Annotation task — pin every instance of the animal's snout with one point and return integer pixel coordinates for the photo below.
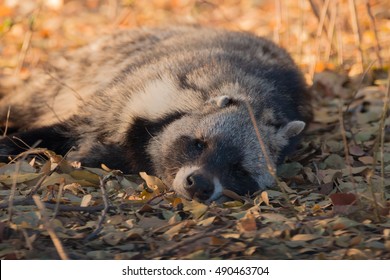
(199, 186)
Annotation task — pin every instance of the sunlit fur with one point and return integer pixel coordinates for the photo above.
(164, 100)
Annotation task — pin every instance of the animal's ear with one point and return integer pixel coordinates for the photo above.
(292, 129)
(221, 101)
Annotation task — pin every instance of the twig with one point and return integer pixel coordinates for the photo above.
(63, 208)
(30, 150)
(332, 25)
(382, 126)
(7, 121)
(271, 168)
(371, 189)
(13, 187)
(359, 85)
(75, 92)
(13, 191)
(27, 40)
(169, 249)
(318, 37)
(346, 149)
(317, 171)
(339, 37)
(379, 147)
(37, 185)
(23, 52)
(316, 13)
(155, 197)
(374, 29)
(26, 237)
(43, 178)
(56, 241)
(59, 195)
(99, 227)
(356, 32)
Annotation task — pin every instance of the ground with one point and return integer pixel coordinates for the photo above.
(332, 197)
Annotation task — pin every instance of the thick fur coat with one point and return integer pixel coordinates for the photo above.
(172, 102)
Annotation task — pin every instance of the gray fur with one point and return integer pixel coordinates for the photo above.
(184, 82)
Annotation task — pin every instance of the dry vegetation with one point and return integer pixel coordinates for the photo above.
(332, 200)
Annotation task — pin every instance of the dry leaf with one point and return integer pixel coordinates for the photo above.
(247, 223)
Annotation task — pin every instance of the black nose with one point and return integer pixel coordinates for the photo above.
(199, 186)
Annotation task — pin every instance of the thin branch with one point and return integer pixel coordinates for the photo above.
(27, 40)
(56, 241)
(184, 243)
(43, 178)
(99, 227)
(346, 149)
(374, 29)
(26, 237)
(13, 191)
(316, 13)
(14, 183)
(7, 122)
(318, 37)
(339, 37)
(356, 32)
(63, 208)
(23, 51)
(37, 185)
(382, 126)
(271, 168)
(75, 92)
(59, 195)
(332, 25)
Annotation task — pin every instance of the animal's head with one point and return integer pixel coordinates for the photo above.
(218, 148)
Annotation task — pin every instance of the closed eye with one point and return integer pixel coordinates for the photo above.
(239, 170)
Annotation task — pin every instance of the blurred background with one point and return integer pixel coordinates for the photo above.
(343, 35)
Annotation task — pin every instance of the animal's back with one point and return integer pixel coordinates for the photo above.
(74, 79)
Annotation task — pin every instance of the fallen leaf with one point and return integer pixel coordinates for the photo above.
(304, 237)
(289, 170)
(343, 198)
(367, 160)
(264, 196)
(154, 182)
(196, 208)
(356, 150)
(247, 223)
(334, 161)
(207, 222)
(86, 200)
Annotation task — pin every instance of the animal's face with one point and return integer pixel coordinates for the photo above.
(203, 154)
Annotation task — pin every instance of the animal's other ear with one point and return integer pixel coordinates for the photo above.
(221, 101)
(292, 129)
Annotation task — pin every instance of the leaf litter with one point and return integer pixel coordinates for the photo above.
(327, 205)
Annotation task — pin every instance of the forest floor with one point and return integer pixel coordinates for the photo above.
(332, 200)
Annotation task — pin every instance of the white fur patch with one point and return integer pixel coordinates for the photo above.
(218, 188)
(158, 99)
(179, 184)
